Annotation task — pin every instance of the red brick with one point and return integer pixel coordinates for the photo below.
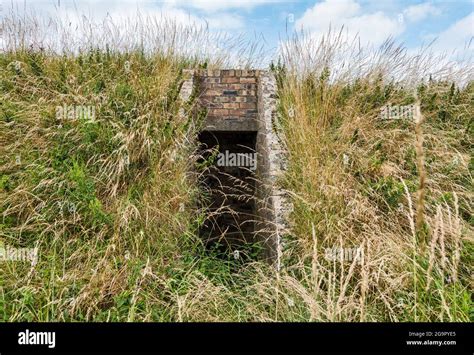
(231, 105)
(222, 99)
(230, 80)
(210, 72)
(245, 92)
(212, 80)
(239, 112)
(233, 86)
(249, 72)
(220, 86)
(210, 92)
(248, 80)
(218, 112)
(248, 105)
(229, 72)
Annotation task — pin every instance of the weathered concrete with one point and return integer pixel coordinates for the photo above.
(273, 207)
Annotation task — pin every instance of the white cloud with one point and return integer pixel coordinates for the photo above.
(98, 10)
(225, 21)
(328, 11)
(457, 39)
(372, 28)
(219, 5)
(421, 11)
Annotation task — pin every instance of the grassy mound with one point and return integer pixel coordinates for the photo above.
(96, 172)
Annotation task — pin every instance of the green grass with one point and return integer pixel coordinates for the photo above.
(103, 200)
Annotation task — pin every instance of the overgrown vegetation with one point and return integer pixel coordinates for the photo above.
(109, 199)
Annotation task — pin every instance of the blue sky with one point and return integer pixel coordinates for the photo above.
(414, 23)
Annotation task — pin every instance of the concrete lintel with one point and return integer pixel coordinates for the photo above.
(230, 124)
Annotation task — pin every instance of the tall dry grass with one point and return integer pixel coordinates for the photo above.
(110, 203)
(359, 181)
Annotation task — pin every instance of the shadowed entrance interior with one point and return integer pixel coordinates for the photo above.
(229, 184)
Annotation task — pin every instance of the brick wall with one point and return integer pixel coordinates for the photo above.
(229, 95)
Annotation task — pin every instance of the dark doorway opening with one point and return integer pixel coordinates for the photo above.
(228, 180)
